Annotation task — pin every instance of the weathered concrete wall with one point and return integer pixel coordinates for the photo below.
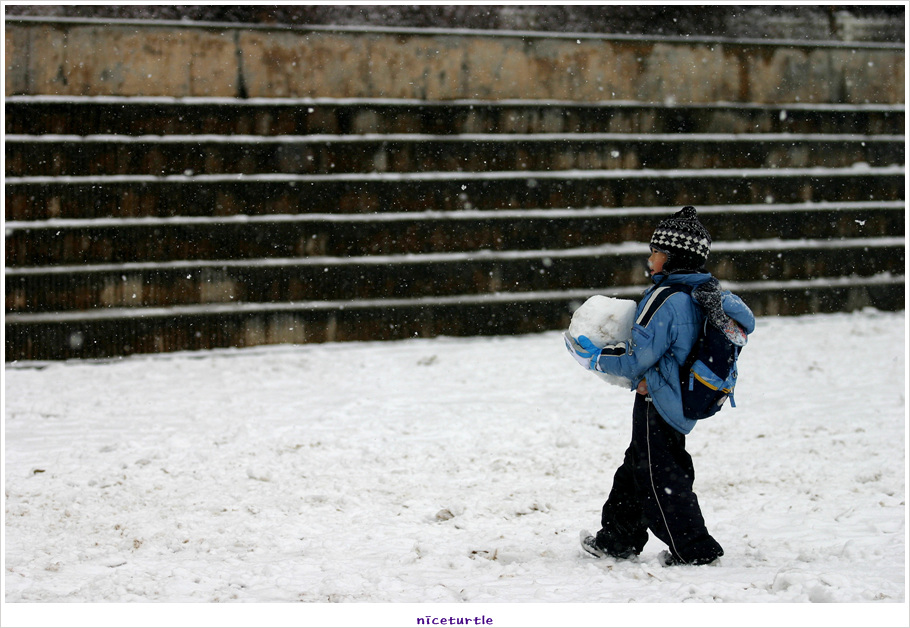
(72, 57)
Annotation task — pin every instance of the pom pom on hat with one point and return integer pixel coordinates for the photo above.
(684, 239)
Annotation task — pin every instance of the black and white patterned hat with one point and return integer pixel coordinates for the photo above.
(684, 239)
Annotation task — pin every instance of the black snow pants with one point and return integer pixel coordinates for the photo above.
(652, 490)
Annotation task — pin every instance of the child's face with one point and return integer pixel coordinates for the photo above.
(656, 261)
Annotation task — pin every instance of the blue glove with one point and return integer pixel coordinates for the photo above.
(583, 350)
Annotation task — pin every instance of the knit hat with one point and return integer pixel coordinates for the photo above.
(684, 239)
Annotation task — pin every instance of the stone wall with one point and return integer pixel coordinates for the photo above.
(81, 57)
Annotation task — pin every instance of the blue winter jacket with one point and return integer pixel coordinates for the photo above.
(662, 337)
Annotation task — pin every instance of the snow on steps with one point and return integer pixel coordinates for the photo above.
(822, 238)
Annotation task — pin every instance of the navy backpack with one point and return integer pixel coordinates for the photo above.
(708, 376)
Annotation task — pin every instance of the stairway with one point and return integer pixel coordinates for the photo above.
(149, 224)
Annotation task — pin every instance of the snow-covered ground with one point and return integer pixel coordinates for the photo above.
(447, 478)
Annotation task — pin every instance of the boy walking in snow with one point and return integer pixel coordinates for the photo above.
(652, 489)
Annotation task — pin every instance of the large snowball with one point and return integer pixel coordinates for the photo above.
(605, 321)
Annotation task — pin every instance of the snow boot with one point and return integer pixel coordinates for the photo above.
(589, 544)
(668, 559)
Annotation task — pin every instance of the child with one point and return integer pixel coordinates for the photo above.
(652, 489)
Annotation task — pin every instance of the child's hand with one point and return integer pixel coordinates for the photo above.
(583, 350)
(642, 387)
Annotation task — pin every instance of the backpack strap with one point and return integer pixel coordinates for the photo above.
(686, 366)
(656, 301)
